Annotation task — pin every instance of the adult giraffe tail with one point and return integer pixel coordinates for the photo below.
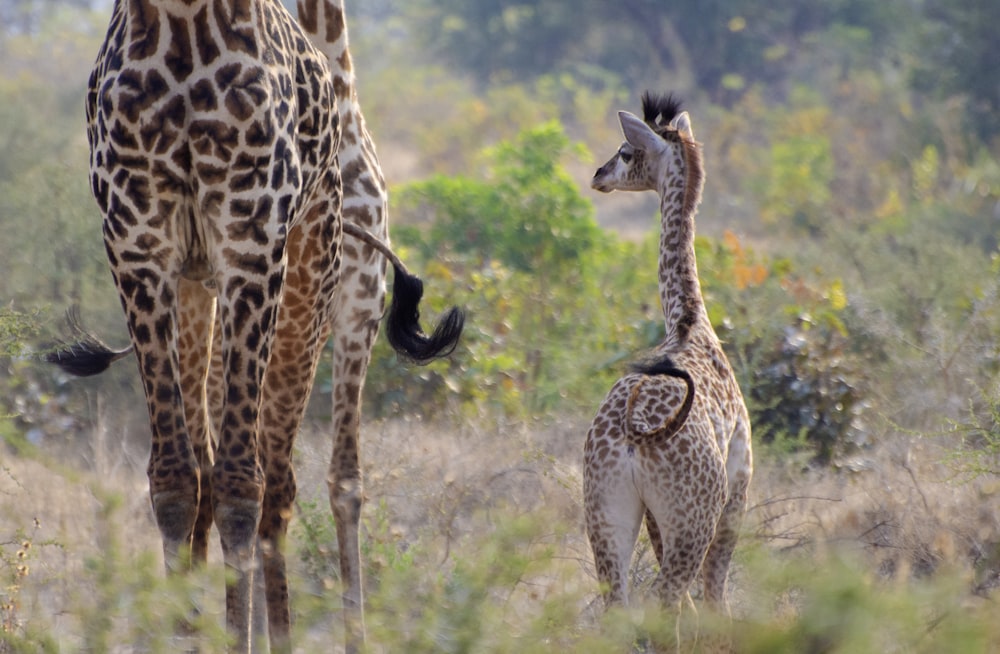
(87, 355)
(403, 325)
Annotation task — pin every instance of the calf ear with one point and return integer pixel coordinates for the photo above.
(638, 133)
(682, 123)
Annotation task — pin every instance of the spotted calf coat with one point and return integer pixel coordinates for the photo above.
(671, 441)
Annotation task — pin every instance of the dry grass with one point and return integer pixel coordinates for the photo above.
(900, 509)
(495, 512)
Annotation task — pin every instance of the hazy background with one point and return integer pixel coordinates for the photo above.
(848, 249)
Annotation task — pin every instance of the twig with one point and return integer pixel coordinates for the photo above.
(793, 498)
(916, 484)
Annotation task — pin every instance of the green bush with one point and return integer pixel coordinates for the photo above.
(551, 298)
(793, 343)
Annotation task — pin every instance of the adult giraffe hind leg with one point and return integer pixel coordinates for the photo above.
(150, 300)
(355, 327)
(303, 326)
(174, 469)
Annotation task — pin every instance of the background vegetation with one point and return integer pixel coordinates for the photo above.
(848, 248)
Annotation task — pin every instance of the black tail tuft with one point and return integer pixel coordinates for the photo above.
(658, 364)
(403, 326)
(662, 364)
(85, 357)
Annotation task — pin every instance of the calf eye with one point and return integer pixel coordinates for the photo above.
(626, 156)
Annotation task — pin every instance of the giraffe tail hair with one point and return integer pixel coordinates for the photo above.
(403, 329)
(403, 326)
(86, 355)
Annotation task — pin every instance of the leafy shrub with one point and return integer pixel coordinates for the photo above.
(32, 405)
(807, 392)
(830, 605)
(978, 452)
(802, 369)
(551, 298)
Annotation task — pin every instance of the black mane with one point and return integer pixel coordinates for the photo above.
(665, 107)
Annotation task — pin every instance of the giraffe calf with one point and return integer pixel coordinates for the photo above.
(670, 443)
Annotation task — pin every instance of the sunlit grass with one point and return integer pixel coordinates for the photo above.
(474, 543)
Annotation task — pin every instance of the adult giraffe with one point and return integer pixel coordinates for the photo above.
(216, 129)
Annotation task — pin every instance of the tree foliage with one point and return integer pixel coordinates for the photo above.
(720, 48)
(51, 224)
(959, 40)
(558, 305)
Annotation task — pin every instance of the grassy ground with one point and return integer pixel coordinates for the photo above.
(474, 543)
